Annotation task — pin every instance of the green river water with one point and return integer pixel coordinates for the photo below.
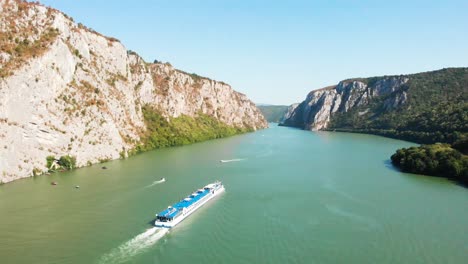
(293, 197)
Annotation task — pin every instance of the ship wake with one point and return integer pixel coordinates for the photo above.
(135, 246)
(231, 160)
(156, 182)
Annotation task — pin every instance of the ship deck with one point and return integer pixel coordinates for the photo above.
(176, 208)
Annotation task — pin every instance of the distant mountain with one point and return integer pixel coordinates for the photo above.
(425, 107)
(273, 113)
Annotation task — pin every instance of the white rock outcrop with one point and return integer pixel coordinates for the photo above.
(289, 112)
(67, 90)
(315, 111)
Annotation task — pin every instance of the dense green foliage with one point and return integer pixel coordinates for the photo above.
(436, 110)
(462, 146)
(273, 113)
(182, 130)
(436, 160)
(49, 161)
(65, 162)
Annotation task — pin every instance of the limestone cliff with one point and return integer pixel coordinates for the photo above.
(68, 90)
(424, 107)
(315, 112)
(289, 113)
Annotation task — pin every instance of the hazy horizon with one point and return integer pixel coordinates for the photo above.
(276, 53)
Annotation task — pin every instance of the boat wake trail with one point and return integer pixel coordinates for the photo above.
(156, 182)
(231, 160)
(135, 246)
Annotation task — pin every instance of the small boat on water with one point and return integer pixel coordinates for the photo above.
(162, 180)
(53, 183)
(77, 186)
(174, 214)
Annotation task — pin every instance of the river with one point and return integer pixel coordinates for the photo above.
(292, 196)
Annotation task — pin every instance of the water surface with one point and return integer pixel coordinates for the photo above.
(291, 196)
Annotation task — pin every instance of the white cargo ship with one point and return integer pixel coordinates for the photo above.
(174, 214)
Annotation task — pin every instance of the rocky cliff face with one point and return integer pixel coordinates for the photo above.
(316, 111)
(68, 90)
(288, 115)
(425, 107)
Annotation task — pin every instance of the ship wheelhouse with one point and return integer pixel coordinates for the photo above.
(164, 218)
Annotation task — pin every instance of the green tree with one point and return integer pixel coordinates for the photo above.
(67, 162)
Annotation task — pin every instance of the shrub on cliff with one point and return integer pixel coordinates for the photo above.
(67, 162)
(50, 160)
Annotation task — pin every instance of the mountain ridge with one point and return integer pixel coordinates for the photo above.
(399, 106)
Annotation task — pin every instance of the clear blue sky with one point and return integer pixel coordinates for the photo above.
(278, 51)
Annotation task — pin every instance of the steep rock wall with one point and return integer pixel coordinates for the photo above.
(68, 90)
(316, 111)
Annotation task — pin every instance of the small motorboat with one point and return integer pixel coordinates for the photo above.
(104, 168)
(162, 180)
(53, 183)
(77, 186)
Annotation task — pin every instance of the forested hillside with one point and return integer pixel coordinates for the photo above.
(273, 113)
(436, 109)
